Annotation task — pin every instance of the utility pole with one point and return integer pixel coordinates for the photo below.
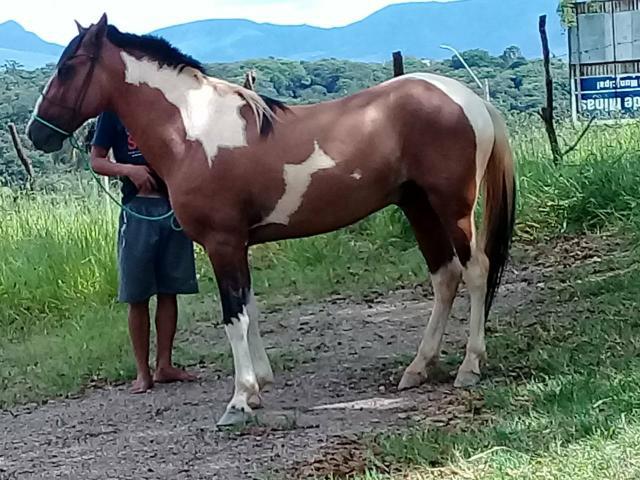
(485, 87)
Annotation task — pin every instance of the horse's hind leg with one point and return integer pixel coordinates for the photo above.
(456, 214)
(445, 277)
(475, 276)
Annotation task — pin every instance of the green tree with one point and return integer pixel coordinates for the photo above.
(516, 85)
(475, 58)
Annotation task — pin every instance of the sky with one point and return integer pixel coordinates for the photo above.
(53, 19)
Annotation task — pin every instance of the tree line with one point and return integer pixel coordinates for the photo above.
(516, 86)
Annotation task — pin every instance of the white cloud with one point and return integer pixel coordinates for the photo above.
(53, 19)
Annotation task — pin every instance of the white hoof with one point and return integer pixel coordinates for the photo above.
(411, 380)
(467, 379)
(236, 417)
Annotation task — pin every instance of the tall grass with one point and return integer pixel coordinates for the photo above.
(56, 254)
(595, 187)
(58, 277)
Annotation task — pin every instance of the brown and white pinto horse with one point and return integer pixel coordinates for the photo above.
(242, 169)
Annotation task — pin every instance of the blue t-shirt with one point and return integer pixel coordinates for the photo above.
(111, 134)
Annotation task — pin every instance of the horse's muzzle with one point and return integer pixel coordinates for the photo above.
(44, 138)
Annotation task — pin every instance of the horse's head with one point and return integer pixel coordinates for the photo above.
(77, 91)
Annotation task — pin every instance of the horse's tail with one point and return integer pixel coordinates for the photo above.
(499, 206)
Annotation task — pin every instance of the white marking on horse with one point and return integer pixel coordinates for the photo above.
(445, 285)
(476, 111)
(40, 99)
(475, 276)
(259, 358)
(297, 179)
(209, 116)
(357, 174)
(246, 384)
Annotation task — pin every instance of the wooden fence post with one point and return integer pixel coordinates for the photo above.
(250, 80)
(398, 64)
(17, 144)
(546, 112)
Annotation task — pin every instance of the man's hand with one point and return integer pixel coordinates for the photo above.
(142, 178)
(140, 175)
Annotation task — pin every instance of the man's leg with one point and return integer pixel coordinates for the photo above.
(175, 275)
(166, 321)
(139, 333)
(137, 244)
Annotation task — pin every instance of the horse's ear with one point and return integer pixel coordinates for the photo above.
(81, 29)
(98, 31)
(101, 26)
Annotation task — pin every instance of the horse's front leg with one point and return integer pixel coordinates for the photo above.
(228, 256)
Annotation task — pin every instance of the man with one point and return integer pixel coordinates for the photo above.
(153, 258)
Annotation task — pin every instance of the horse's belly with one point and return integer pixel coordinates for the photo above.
(329, 203)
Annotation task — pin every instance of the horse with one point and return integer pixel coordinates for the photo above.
(244, 169)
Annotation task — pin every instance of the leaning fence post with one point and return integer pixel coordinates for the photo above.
(398, 64)
(250, 79)
(17, 144)
(546, 112)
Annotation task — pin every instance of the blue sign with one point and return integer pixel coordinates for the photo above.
(610, 94)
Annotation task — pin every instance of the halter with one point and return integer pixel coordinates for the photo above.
(84, 90)
(76, 145)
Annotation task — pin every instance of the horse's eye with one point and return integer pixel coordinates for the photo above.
(65, 71)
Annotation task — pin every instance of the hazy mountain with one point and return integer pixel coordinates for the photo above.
(415, 28)
(25, 47)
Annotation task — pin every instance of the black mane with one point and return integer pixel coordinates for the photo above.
(267, 123)
(156, 48)
(160, 50)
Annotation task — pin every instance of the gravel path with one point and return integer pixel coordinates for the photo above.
(339, 353)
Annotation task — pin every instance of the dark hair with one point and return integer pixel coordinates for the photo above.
(71, 49)
(156, 48)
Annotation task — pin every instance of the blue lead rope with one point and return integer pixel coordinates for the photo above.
(74, 143)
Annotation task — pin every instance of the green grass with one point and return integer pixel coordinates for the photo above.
(60, 327)
(575, 411)
(595, 188)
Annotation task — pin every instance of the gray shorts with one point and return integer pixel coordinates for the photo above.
(153, 258)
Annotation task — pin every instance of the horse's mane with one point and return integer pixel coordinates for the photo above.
(161, 51)
(71, 49)
(154, 47)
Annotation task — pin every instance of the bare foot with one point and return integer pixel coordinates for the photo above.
(173, 374)
(141, 385)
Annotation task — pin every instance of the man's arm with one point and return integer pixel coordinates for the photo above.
(140, 175)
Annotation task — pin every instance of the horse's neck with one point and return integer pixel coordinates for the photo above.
(143, 116)
(170, 107)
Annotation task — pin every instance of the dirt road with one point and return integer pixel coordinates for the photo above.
(342, 362)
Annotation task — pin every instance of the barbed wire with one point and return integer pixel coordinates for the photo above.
(603, 47)
(609, 45)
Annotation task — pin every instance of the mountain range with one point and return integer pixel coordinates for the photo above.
(417, 29)
(25, 47)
